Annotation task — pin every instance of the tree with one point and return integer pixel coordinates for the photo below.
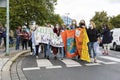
(22, 12)
(100, 18)
(2, 16)
(55, 19)
(115, 21)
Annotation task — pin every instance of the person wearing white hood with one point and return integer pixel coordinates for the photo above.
(35, 41)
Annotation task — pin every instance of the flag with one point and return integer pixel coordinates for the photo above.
(79, 40)
(3, 3)
(69, 43)
(82, 40)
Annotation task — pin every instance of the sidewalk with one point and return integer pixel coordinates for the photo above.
(7, 60)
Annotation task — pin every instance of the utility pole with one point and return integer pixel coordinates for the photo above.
(5, 3)
(7, 27)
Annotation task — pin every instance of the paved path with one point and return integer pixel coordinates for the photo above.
(4, 59)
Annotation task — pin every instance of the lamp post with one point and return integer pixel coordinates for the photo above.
(5, 3)
(7, 27)
(67, 18)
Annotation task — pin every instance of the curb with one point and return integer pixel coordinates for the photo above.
(6, 68)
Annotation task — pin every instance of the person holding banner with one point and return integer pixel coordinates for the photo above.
(93, 37)
(35, 40)
(56, 30)
(47, 47)
(74, 25)
(82, 40)
(62, 48)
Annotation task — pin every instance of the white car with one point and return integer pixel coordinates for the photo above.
(116, 39)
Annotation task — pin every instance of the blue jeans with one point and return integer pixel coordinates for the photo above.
(0, 39)
(92, 49)
(96, 48)
(61, 49)
(17, 43)
(46, 50)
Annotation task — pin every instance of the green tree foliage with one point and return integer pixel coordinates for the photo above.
(100, 18)
(22, 12)
(115, 21)
(2, 15)
(55, 19)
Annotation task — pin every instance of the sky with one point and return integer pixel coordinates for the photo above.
(85, 9)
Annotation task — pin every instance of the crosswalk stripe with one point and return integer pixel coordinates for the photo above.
(92, 64)
(53, 67)
(44, 63)
(70, 63)
(73, 65)
(33, 68)
(110, 58)
(99, 61)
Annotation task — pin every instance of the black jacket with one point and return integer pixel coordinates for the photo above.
(92, 34)
(107, 37)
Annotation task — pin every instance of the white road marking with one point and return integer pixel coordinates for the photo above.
(110, 58)
(33, 68)
(71, 63)
(53, 67)
(92, 64)
(44, 63)
(99, 61)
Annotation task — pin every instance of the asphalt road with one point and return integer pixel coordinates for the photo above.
(107, 68)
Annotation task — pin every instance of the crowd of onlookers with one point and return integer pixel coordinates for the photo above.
(25, 36)
(3, 36)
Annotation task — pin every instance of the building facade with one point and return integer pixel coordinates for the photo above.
(67, 20)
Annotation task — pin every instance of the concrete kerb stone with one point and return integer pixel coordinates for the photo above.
(6, 67)
(8, 64)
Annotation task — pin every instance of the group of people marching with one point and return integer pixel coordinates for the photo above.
(27, 36)
(93, 34)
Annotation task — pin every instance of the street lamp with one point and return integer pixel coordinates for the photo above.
(5, 3)
(67, 18)
(7, 32)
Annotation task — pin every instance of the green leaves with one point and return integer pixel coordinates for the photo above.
(101, 18)
(115, 21)
(25, 11)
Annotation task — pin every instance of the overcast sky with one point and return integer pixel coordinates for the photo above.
(85, 9)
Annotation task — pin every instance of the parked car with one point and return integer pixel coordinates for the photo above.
(115, 45)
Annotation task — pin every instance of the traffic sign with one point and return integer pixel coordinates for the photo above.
(3, 3)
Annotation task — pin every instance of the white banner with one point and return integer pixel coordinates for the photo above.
(47, 36)
(56, 41)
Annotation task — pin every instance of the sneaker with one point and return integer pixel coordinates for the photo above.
(95, 60)
(61, 58)
(55, 58)
(36, 57)
(44, 56)
(107, 54)
(103, 53)
(31, 53)
(47, 57)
